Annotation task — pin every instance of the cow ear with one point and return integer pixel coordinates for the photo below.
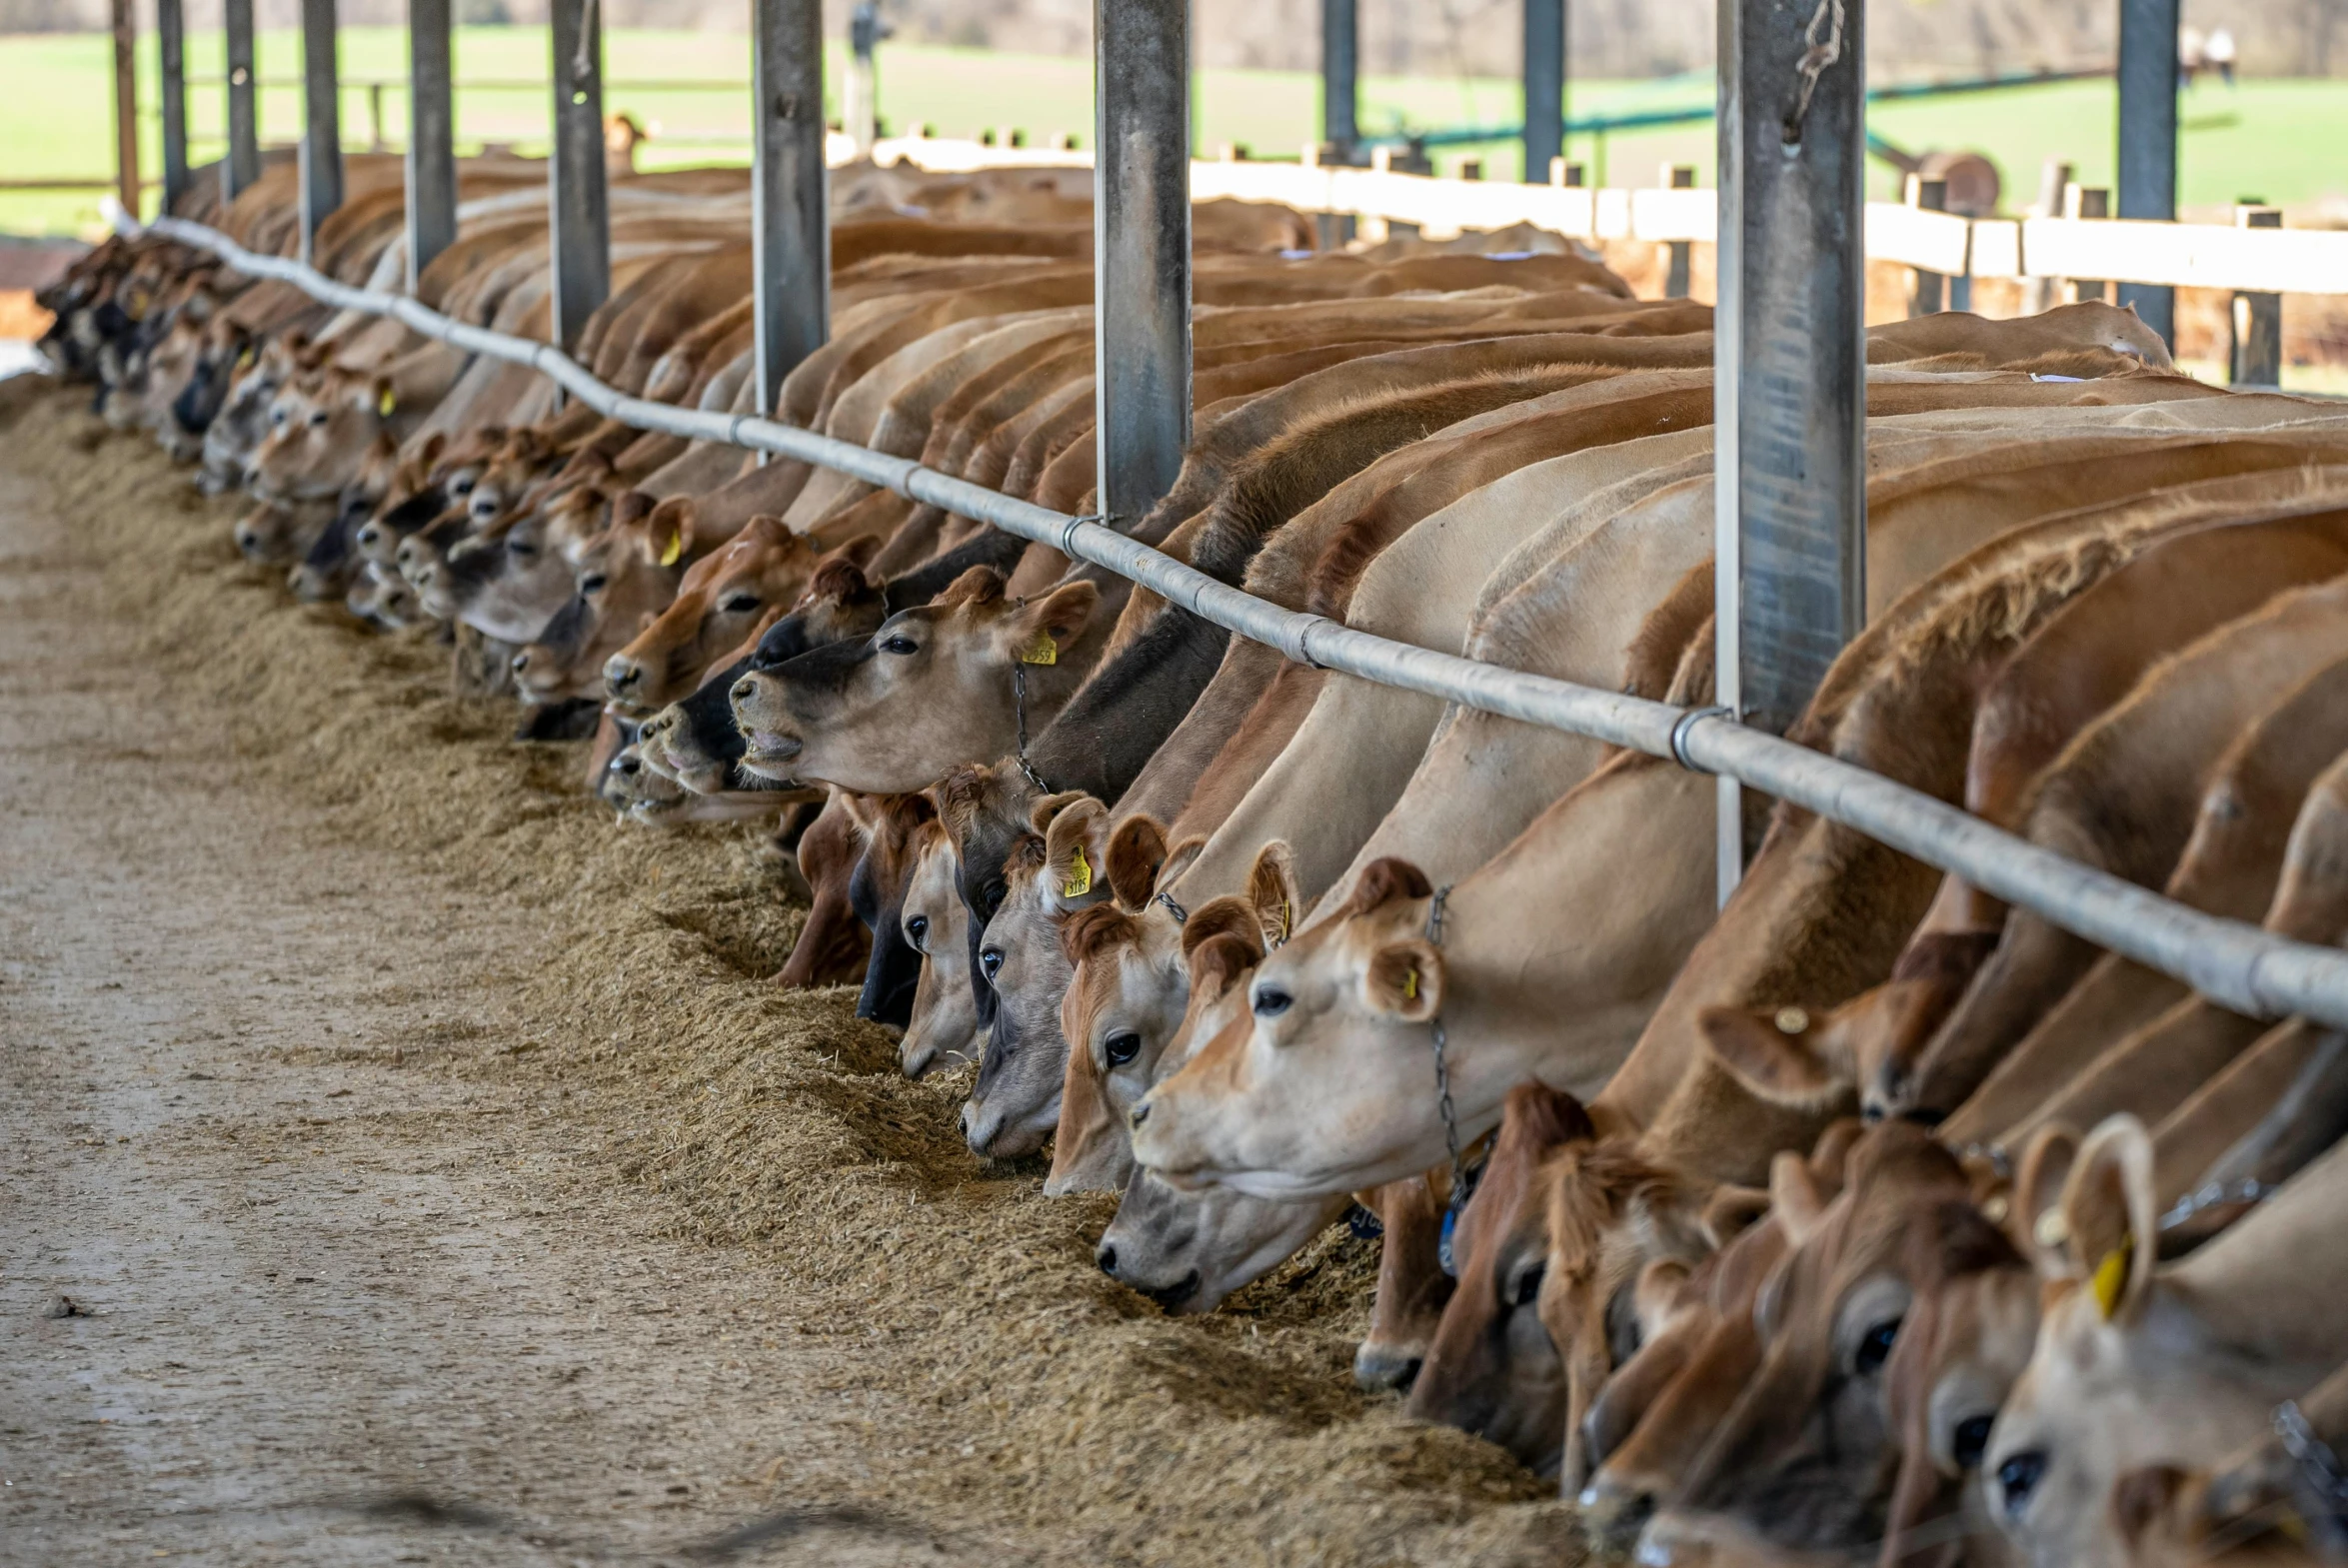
(1216, 964)
(1272, 891)
(667, 533)
(1038, 633)
(434, 445)
(1137, 849)
(2109, 1208)
(1730, 1212)
(1075, 851)
(2034, 1218)
(1405, 981)
(1775, 1055)
(1795, 1198)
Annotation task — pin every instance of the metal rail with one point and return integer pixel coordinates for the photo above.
(2238, 967)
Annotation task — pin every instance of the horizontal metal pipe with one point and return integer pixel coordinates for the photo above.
(2238, 967)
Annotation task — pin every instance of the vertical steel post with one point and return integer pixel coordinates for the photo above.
(2149, 139)
(578, 202)
(1926, 299)
(432, 136)
(126, 108)
(1789, 459)
(322, 120)
(1340, 79)
(792, 245)
(1140, 249)
(1544, 87)
(242, 166)
(172, 59)
(2257, 318)
(1679, 257)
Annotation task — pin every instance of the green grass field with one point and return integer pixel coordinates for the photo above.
(2277, 139)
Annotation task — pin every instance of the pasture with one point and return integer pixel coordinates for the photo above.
(2271, 139)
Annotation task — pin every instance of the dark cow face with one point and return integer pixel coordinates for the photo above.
(932, 689)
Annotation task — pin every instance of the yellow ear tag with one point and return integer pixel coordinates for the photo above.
(245, 356)
(1411, 985)
(385, 401)
(676, 551)
(1043, 650)
(2111, 1276)
(1284, 936)
(1080, 877)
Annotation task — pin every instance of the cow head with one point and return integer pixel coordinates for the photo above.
(759, 573)
(1323, 1086)
(320, 428)
(934, 924)
(622, 580)
(1494, 1369)
(1049, 875)
(933, 688)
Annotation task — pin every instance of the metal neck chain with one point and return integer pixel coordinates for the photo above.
(2248, 1190)
(1443, 1100)
(2318, 1466)
(1181, 914)
(1018, 702)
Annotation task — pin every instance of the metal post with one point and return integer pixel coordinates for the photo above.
(1340, 78)
(171, 59)
(579, 204)
(865, 32)
(788, 224)
(1544, 86)
(1931, 196)
(2149, 139)
(432, 137)
(126, 108)
(1790, 449)
(242, 167)
(322, 120)
(2086, 201)
(1140, 249)
(1676, 176)
(2258, 318)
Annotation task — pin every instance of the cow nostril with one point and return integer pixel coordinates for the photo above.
(521, 661)
(741, 690)
(1141, 1113)
(1106, 1259)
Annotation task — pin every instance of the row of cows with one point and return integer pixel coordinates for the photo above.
(1864, 1219)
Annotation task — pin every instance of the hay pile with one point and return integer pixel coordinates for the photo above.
(1050, 1399)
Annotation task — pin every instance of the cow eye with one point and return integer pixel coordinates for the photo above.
(317, 417)
(2018, 1478)
(1271, 1002)
(593, 582)
(737, 603)
(917, 929)
(1121, 1048)
(463, 487)
(1528, 1284)
(901, 646)
(1972, 1442)
(277, 416)
(1875, 1349)
(990, 963)
(520, 547)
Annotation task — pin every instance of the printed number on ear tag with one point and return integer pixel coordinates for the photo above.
(1043, 650)
(2111, 1276)
(385, 401)
(1080, 877)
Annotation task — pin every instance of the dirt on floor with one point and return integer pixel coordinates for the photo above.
(400, 1163)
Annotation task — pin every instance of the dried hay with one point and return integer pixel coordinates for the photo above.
(1052, 1400)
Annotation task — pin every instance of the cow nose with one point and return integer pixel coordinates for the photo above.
(1140, 1114)
(744, 689)
(370, 535)
(1106, 1256)
(521, 661)
(622, 673)
(630, 765)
